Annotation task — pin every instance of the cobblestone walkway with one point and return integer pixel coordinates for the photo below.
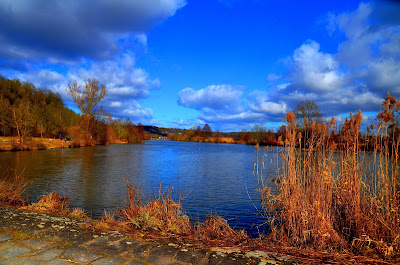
(36, 238)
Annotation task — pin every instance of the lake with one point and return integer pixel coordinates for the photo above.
(212, 178)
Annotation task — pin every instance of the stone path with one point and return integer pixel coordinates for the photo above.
(36, 238)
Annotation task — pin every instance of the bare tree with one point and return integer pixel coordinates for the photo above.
(259, 133)
(87, 99)
(307, 109)
(207, 130)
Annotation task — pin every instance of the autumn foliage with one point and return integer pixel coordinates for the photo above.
(27, 112)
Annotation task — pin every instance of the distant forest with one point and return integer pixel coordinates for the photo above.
(26, 111)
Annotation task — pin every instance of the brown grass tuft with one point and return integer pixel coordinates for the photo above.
(165, 216)
(11, 191)
(108, 222)
(51, 203)
(217, 229)
(78, 213)
(160, 214)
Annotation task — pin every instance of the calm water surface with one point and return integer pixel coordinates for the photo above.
(214, 178)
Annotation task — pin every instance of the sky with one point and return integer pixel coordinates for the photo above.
(230, 63)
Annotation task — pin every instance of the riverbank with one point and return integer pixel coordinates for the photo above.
(38, 238)
(155, 236)
(33, 143)
(8, 143)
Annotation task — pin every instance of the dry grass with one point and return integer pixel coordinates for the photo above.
(160, 214)
(224, 140)
(32, 143)
(51, 203)
(11, 190)
(160, 217)
(108, 222)
(330, 198)
(216, 230)
(164, 216)
(78, 213)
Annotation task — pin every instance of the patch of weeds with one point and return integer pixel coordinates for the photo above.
(51, 203)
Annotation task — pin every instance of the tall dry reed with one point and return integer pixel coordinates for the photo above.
(329, 196)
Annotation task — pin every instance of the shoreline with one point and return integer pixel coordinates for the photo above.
(42, 237)
(10, 144)
(31, 231)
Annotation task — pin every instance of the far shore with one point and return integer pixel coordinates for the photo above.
(12, 143)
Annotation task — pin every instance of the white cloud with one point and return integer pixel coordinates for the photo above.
(124, 81)
(282, 86)
(336, 85)
(240, 118)
(137, 112)
(125, 84)
(273, 77)
(270, 107)
(75, 28)
(313, 70)
(213, 97)
(142, 39)
(114, 104)
(261, 103)
(358, 76)
(80, 39)
(354, 24)
(184, 123)
(384, 75)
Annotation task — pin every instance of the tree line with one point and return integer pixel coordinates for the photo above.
(26, 111)
(307, 115)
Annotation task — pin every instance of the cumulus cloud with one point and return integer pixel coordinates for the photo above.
(226, 107)
(213, 97)
(314, 70)
(136, 111)
(121, 77)
(365, 67)
(244, 117)
(261, 103)
(363, 38)
(125, 83)
(356, 77)
(184, 123)
(34, 29)
(372, 50)
(53, 43)
(130, 109)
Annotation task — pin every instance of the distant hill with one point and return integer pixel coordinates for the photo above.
(165, 131)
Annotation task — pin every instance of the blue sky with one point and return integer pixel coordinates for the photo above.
(229, 63)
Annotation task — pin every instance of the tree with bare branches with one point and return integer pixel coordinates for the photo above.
(307, 109)
(87, 98)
